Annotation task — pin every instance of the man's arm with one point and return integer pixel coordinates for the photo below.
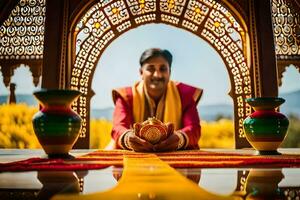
(122, 120)
(122, 131)
(191, 129)
(188, 136)
(191, 126)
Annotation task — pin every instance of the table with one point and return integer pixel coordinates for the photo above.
(237, 183)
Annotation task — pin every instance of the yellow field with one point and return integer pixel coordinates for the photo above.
(16, 130)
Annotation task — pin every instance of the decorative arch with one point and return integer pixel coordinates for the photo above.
(22, 38)
(286, 17)
(210, 20)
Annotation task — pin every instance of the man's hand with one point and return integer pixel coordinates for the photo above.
(169, 144)
(138, 144)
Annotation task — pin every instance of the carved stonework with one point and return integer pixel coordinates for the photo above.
(22, 39)
(22, 34)
(286, 21)
(36, 71)
(281, 68)
(7, 73)
(8, 67)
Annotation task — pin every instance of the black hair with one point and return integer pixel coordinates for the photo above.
(156, 52)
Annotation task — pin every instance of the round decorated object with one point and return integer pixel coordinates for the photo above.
(153, 130)
(56, 125)
(265, 129)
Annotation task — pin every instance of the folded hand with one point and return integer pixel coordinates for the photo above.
(138, 144)
(169, 144)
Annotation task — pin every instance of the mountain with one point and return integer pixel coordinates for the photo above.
(212, 112)
(21, 98)
(206, 112)
(105, 113)
(292, 103)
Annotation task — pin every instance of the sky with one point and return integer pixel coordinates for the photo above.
(195, 62)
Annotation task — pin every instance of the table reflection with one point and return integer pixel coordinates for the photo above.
(192, 174)
(242, 183)
(57, 182)
(263, 184)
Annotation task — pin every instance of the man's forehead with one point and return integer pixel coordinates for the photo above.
(156, 61)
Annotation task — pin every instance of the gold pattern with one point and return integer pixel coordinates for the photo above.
(217, 24)
(115, 11)
(197, 10)
(171, 4)
(139, 7)
(97, 25)
(152, 130)
(172, 7)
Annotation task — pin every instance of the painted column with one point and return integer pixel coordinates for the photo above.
(54, 61)
(263, 49)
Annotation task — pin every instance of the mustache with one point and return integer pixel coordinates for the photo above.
(158, 79)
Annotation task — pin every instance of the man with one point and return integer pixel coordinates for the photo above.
(156, 96)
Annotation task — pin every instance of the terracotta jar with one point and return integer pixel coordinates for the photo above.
(56, 125)
(265, 128)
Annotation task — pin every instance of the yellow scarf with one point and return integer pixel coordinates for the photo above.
(172, 112)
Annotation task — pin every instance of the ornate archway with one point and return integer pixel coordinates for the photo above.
(214, 22)
(286, 17)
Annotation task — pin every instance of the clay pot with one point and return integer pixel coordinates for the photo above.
(265, 129)
(56, 125)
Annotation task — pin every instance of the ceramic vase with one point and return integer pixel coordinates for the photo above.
(265, 128)
(56, 125)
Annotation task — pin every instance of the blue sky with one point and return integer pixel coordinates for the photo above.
(195, 62)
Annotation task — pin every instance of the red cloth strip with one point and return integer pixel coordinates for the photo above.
(180, 159)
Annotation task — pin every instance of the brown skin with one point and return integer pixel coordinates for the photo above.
(138, 144)
(156, 74)
(169, 144)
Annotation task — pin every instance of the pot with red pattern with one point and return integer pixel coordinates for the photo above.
(153, 130)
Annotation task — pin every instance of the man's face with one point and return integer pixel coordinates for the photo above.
(156, 75)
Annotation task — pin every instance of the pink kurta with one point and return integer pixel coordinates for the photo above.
(123, 114)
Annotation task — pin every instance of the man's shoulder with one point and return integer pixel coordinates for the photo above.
(122, 89)
(186, 88)
(122, 92)
(189, 91)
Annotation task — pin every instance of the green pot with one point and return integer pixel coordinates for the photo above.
(56, 125)
(265, 128)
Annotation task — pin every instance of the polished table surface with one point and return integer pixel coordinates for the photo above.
(276, 183)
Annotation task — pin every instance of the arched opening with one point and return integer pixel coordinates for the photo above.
(195, 63)
(211, 21)
(291, 108)
(17, 106)
(24, 86)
